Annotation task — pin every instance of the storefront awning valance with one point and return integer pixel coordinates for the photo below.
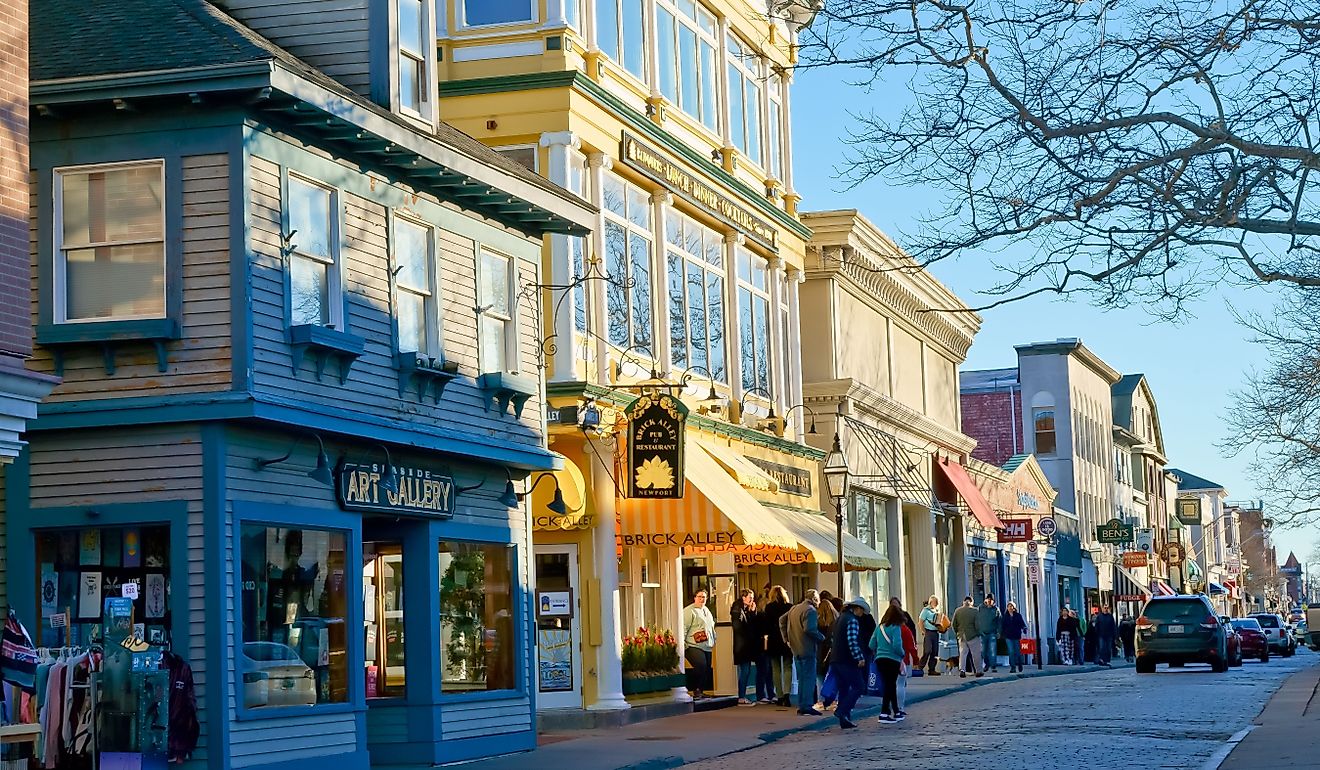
(739, 467)
(1127, 584)
(817, 534)
(981, 509)
(573, 487)
(1214, 589)
(714, 511)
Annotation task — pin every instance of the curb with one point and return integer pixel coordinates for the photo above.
(1217, 759)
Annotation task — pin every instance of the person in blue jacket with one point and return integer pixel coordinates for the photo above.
(887, 642)
(1013, 626)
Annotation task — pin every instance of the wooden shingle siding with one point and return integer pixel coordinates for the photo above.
(331, 35)
(372, 389)
(125, 465)
(200, 361)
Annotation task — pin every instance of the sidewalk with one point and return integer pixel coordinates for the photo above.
(675, 741)
(1283, 735)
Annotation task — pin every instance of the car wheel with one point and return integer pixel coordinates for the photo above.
(1265, 658)
(1219, 665)
(1145, 667)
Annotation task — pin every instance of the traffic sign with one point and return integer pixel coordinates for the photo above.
(1046, 526)
(1033, 547)
(1033, 574)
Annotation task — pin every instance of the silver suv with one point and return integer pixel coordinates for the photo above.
(1276, 633)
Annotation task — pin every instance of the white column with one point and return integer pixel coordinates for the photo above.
(795, 277)
(672, 590)
(731, 243)
(556, 15)
(778, 345)
(559, 169)
(893, 524)
(598, 163)
(652, 50)
(609, 656)
(722, 81)
(787, 129)
(661, 200)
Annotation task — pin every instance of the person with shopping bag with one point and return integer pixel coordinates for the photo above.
(911, 660)
(1013, 627)
(933, 623)
(887, 643)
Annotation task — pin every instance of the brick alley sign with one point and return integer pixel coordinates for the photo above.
(656, 425)
(1015, 531)
(1114, 531)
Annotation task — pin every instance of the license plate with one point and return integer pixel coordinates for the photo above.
(1174, 629)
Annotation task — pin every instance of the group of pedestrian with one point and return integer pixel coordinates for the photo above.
(978, 630)
(1093, 640)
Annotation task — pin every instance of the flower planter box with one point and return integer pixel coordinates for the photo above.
(655, 683)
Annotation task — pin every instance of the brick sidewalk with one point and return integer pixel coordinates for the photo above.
(1283, 735)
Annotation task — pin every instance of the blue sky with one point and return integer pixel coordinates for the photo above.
(1193, 367)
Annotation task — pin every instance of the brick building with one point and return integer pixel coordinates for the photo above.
(991, 413)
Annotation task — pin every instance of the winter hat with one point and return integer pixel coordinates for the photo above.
(859, 602)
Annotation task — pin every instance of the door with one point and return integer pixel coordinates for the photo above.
(558, 628)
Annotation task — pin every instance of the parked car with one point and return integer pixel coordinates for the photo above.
(1251, 638)
(1231, 642)
(1276, 631)
(1181, 629)
(274, 675)
(1313, 628)
(1299, 632)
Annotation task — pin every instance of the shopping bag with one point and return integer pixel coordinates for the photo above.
(917, 671)
(829, 690)
(873, 686)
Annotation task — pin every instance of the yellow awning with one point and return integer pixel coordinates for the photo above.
(714, 511)
(574, 489)
(739, 467)
(815, 536)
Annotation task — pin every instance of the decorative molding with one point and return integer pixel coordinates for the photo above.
(859, 398)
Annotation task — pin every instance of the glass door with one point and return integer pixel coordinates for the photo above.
(382, 597)
(558, 629)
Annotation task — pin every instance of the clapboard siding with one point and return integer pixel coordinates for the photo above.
(127, 465)
(200, 361)
(374, 379)
(483, 718)
(331, 35)
(4, 543)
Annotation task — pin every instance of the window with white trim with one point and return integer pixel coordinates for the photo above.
(745, 99)
(573, 13)
(621, 33)
(754, 321)
(577, 244)
(522, 154)
(627, 259)
(110, 242)
(414, 61)
(497, 352)
(688, 38)
(695, 270)
(477, 13)
(414, 260)
(313, 235)
(774, 148)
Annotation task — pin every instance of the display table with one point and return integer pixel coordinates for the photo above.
(20, 734)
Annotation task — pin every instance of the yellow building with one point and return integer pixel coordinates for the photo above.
(672, 116)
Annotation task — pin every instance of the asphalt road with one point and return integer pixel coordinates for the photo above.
(1174, 718)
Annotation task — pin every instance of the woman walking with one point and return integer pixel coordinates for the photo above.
(889, 654)
(930, 627)
(1013, 627)
(826, 617)
(776, 648)
(699, 640)
(747, 642)
(910, 657)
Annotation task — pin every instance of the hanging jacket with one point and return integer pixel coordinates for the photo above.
(183, 723)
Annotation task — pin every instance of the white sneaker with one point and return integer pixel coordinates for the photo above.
(885, 719)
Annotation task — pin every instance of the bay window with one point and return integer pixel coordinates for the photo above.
(627, 261)
(110, 242)
(414, 297)
(620, 33)
(313, 229)
(496, 313)
(483, 12)
(753, 321)
(695, 270)
(688, 40)
(744, 99)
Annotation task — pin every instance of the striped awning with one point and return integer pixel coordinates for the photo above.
(737, 466)
(1127, 584)
(714, 511)
(1161, 588)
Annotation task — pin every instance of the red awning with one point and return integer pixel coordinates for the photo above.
(970, 494)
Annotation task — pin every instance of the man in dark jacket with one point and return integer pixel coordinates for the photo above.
(1012, 627)
(849, 659)
(1127, 633)
(1105, 631)
(799, 628)
(987, 625)
(969, 639)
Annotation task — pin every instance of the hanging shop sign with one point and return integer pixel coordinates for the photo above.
(660, 169)
(1129, 597)
(1173, 553)
(1015, 531)
(1188, 510)
(1114, 531)
(1146, 539)
(421, 491)
(792, 481)
(1133, 559)
(655, 447)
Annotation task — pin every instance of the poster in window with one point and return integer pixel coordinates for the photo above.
(154, 547)
(155, 595)
(68, 550)
(50, 590)
(89, 548)
(89, 596)
(112, 547)
(132, 548)
(554, 652)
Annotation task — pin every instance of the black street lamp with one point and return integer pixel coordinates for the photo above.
(836, 481)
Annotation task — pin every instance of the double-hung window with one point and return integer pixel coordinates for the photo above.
(688, 38)
(695, 270)
(313, 235)
(620, 33)
(774, 150)
(482, 12)
(110, 242)
(754, 321)
(627, 263)
(414, 81)
(415, 289)
(497, 353)
(745, 99)
(577, 244)
(1043, 425)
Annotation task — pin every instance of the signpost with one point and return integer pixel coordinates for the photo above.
(1033, 577)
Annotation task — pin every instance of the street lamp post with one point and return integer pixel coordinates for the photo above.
(836, 479)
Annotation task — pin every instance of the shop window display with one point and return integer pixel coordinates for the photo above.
(295, 610)
(478, 630)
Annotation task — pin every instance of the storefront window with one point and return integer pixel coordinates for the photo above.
(695, 269)
(688, 37)
(81, 568)
(745, 99)
(295, 617)
(627, 261)
(478, 630)
(753, 321)
(382, 603)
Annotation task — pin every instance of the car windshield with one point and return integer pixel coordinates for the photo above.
(1267, 621)
(1190, 611)
(268, 652)
(1249, 623)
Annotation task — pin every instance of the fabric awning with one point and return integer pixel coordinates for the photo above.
(1161, 588)
(981, 509)
(817, 532)
(1127, 584)
(574, 489)
(739, 467)
(1214, 589)
(714, 511)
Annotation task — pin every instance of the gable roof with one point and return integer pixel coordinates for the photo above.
(76, 43)
(1292, 560)
(1188, 481)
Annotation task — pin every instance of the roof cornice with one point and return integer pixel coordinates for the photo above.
(870, 401)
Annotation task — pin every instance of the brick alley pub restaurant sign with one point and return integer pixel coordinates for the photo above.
(656, 423)
(667, 173)
(422, 491)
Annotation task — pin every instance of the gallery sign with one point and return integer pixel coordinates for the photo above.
(656, 423)
(660, 169)
(421, 491)
(792, 481)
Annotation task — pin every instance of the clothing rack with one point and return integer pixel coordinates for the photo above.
(91, 687)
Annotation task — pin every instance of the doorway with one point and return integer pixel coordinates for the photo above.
(558, 628)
